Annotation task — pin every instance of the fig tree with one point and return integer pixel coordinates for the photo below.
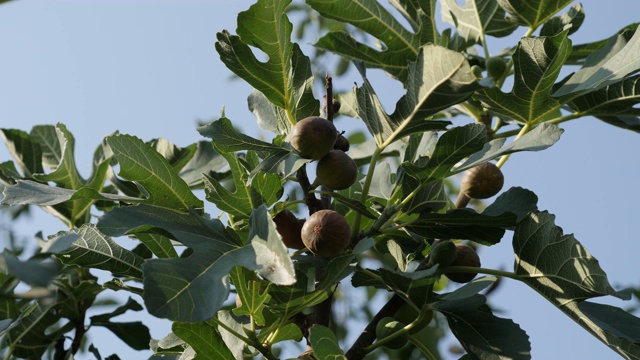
(388, 326)
(313, 137)
(326, 233)
(289, 228)
(465, 256)
(336, 170)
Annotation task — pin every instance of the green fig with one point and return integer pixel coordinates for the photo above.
(388, 326)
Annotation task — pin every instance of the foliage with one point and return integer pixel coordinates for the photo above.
(186, 263)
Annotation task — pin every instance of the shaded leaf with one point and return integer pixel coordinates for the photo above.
(194, 288)
(482, 334)
(159, 245)
(324, 343)
(204, 339)
(135, 333)
(470, 289)
(204, 161)
(224, 136)
(36, 272)
(25, 151)
(557, 24)
(30, 338)
(252, 294)
(537, 63)
(516, 200)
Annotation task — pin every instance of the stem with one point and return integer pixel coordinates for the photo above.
(387, 339)
(355, 228)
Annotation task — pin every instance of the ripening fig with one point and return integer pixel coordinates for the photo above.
(313, 137)
(289, 227)
(482, 181)
(336, 170)
(442, 253)
(326, 233)
(465, 256)
(388, 326)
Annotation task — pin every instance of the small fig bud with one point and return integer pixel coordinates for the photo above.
(482, 181)
(289, 227)
(496, 66)
(326, 233)
(442, 253)
(313, 137)
(477, 71)
(336, 170)
(342, 143)
(465, 256)
(388, 326)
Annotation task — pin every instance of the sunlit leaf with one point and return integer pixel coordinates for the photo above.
(33, 193)
(477, 18)
(324, 343)
(533, 13)
(204, 339)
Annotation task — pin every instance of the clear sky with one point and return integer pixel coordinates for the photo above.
(149, 68)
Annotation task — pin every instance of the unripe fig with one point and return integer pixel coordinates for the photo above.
(289, 227)
(482, 181)
(465, 256)
(496, 66)
(326, 233)
(336, 170)
(313, 137)
(342, 143)
(388, 326)
(408, 314)
(442, 253)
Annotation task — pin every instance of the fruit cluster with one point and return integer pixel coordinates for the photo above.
(326, 232)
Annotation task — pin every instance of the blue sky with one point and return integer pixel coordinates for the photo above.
(149, 68)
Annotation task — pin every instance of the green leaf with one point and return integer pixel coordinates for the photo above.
(539, 245)
(465, 224)
(616, 328)
(532, 13)
(582, 51)
(65, 174)
(204, 161)
(8, 324)
(537, 63)
(286, 332)
(269, 116)
(482, 334)
(235, 323)
(8, 173)
(135, 334)
(453, 146)
(324, 343)
(470, 289)
(159, 245)
(30, 338)
(285, 78)
(541, 137)
(141, 163)
(605, 67)
(252, 293)
(194, 288)
(557, 24)
(204, 339)
(399, 45)
(96, 250)
(224, 136)
(516, 200)
(49, 138)
(27, 192)
(477, 18)
(352, 204)
(34, 272)
(25, 151)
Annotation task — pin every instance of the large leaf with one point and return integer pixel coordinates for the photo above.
(204, 339)
(141, 163)
(95, 250)
(606, 66)
(615, 104)
(324, 343)
(285, 78)
(482, 334)
(194, 288)
(516, 200)
(540, 138)
(453, 146)
(477, 18)
(400, 44)
(533, 13)
(537, 63)
(574, 18)
(559, 268)
(31, 338)
(24, 150)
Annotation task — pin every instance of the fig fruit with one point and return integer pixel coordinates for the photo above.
(388, 326)
(407, 314)
(465, 256)
(326, 233)
(313, 137)
(496, 66)
(442, 253)
(336, 170)
(482, 181)
(289, 228)
(342, 143)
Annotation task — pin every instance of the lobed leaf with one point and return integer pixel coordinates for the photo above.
(25, 151)
(532, 13)
(324, 343)
(537, 63)
(477, 18)
(204, 339)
